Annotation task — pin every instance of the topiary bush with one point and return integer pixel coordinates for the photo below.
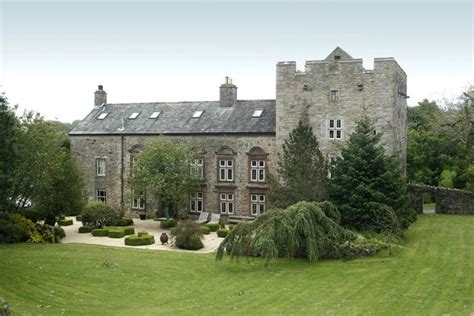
(100, 232)
(212, 227)
(188, 235)
(129, 230)
(205, 230)
(98, 215)
(59, 234)
(124, 222)
(168, 223)
(139, 240)
(65, 222)
(116, 233)
(222, 232)
(142, 233)
(79, 218)
(84, 229)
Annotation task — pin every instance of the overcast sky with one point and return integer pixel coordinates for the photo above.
(54, 54)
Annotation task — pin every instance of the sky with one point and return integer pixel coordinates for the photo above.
(54, 54)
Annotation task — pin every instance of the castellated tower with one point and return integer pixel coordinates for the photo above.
(332, 94)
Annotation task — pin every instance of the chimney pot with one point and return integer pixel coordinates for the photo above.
(100, 97)
(101, 87)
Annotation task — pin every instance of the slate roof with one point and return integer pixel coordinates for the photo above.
(176, 118)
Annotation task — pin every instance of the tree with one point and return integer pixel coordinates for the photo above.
(164, 171)
(46, 175)
(302, 169)
(366, 185)
(8, 153)
(305, 229)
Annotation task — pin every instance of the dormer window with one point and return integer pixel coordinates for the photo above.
(102, 116)
(155, 115)
(134, 115)
(257, 113)
(197, 114)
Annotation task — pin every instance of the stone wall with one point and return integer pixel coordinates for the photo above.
(448, 201)
(306, 96)
(120, 148)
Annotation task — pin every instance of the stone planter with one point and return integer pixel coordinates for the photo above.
(164, 238)
(142, 216)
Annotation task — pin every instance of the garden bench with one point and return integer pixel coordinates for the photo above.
(235, 219)
(203, 218)
(215, 218)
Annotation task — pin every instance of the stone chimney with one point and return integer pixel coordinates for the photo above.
(100, 97)
(228, 95)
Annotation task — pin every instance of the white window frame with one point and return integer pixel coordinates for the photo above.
(257, 170)
(335, 128)
(139, 202)
(334, 95)
(101, 195)
(101, 166)
(196, 202)
(197, 166)
(226, 203)
(258, 204)
(226, 170)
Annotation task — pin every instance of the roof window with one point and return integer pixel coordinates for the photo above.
(198, 114)
(134, 115)
(257, 113)
(102, 115)
(155, 115)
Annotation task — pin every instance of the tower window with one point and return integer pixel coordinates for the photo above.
(335, 129)
(334, 95)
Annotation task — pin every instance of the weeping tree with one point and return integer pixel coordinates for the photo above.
(306, 229)
(302, 170)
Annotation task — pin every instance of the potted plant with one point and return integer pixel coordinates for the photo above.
(142, 215)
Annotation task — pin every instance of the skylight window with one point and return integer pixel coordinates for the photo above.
(257, 113)
(102, 116)
(134, 115)
(197, 114)
(155, 115)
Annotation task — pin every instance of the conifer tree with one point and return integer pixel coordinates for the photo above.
(367, 185)
(302, 170)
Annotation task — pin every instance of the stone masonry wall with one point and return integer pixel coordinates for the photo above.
(306, 95)
(87, 148)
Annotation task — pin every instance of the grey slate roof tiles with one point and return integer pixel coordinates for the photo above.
(176, 118)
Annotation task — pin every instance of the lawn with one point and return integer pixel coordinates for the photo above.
(433, 274)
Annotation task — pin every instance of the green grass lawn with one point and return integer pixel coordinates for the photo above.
(433, 274)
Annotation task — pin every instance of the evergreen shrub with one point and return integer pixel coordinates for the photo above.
(168, 223)
(205, 230)
(98, 215)
(100, 232)
(188, 235)
(222, 233)
(124, 222)
(139, 240)
(116, 233)
(212, 227)
(65, 222)
(84, 229)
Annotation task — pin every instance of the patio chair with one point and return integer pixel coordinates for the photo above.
(203, 218)
(215, 218)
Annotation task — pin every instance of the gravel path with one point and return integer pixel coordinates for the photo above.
(211, 241)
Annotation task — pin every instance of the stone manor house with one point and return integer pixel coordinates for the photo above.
(240, 139)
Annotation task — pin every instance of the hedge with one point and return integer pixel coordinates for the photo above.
(205, 230)
(127, 230)
(65, 222)
(142, 233)
(222, 233)
(139, 240)
(79, 218)
(116, 233)
(100, 232)
(213, 227)
(124, 222)
(84, 229)
(168, 223)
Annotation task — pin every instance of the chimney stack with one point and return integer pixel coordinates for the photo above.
(100, 97)
(228, 93)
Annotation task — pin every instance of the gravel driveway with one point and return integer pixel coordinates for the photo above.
(211, 241)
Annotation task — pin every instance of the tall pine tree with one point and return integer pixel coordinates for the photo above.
(368, 186)
(302, 170)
